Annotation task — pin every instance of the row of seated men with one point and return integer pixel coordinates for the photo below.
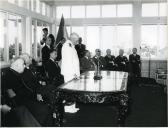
(110, 62)
(26, 101)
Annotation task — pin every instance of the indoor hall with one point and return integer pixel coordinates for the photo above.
(83, 63)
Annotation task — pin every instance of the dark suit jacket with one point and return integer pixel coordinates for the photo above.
(80, 48)
(102, 62)
(45, 54)
(110, 62)
(86, 64)
(26, 96)
(120, 65)
(135, 62)
(54, 72)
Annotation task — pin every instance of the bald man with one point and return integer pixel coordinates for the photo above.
(121, 61)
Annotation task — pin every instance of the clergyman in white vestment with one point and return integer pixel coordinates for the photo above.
(70, 65)
(70, 62)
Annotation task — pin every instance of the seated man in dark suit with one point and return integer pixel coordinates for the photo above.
(53, 69)
(121, 61)
(86, 63)
(110, 61)
(25, 95)
(135, 61)
(80, 48)
(98, 58)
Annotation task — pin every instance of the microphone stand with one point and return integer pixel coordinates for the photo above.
(97, 75)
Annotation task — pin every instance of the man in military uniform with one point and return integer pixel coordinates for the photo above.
(121, 61)
(98, 58)
(110, 61)
(135, 61)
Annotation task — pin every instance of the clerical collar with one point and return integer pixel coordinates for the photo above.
(134, 54)
(52, 59)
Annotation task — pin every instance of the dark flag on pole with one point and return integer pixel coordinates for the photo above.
(62, 35)
(62, 32)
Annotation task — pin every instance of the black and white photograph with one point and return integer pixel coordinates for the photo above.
(83, 63)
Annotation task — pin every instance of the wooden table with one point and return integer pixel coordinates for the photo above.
(111, 89)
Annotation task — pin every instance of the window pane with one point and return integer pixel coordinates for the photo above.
(162, 9)
(20, 34)
(12, 34)
(79, 31)
(124, 10)
(148, 40)
(108, 10)
(39, 37)
(162, 44)
(93, 11)
(38, 6)
(150, 9)
(43, 9)
(78, 11)
(65, 10)
(108, 39)
(124, 38)
(11, 1)
(93, 38)
(33, 41)
(2, 35)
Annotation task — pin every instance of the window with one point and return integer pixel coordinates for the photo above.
(39, 37)
(78, 11)
(63, 10)
(33, 39)
(108, 10)
(20, 34)
(12, 35)
(124, 10)
(93, 38)
(11, 1)
(21, 3)
(93, 11)
(153, 41)
(2, 35)
(38, 6)
(48, 10)
(154, 9)
(43, 9)
(162, 9)
(115, 38)
(108, 39)
(150, 10)
(124, 38)
(79, 31)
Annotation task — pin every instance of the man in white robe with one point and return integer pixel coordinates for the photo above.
(70, 62)
(70, 65)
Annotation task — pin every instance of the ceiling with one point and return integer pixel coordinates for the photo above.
(88, 2)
